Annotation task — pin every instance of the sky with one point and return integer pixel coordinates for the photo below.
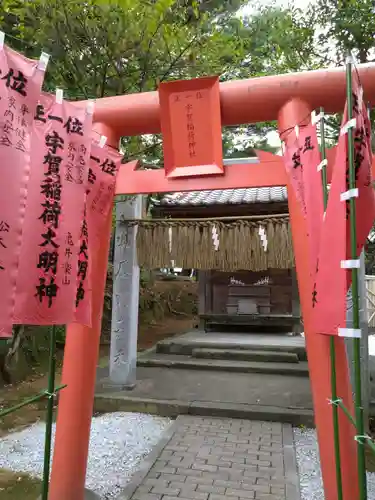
(248, 9)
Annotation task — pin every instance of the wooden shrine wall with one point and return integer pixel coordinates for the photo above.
(246, 292)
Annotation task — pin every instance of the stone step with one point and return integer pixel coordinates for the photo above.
(186, 362)
(184, 345)
(245, 355)
(173, 408)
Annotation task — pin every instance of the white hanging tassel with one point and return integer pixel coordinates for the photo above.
(360, 98)
(215, 238)
(59, 96)
(170, 244)
(263, 237)
(43, 61)
(102, 143)
(90, 106)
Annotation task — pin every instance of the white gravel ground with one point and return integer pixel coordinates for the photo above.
(118, 443)
(308, 463)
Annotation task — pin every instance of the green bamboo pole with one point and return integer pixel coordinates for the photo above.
(49, 417)
(347, 412)
(356, 319)
(29, 401)
(335, 410)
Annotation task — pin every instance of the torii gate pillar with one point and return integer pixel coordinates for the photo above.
(81, 355)
(318, 350)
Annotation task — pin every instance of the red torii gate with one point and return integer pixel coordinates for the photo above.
(289, 98)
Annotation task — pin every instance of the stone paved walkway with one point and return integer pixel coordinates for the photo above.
(216, 459)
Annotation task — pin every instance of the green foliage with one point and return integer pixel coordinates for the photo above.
(109, 48)
(345, 25)
(278, 40)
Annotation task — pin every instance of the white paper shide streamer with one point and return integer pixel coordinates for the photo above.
(215, 238)
(263, 237)
(170, 244)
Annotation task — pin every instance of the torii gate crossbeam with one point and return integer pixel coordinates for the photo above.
(241, 101)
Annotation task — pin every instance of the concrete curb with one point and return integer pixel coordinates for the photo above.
(88, 495)
(226, 366)
(292, 489)
(147, 463)
(174, 408)
(249, 355)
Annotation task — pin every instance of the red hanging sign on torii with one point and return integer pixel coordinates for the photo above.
(191, 127)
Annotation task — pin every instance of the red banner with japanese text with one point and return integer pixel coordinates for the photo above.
(312, 189)
(51, 243)
(333, 279)
(104, 165)
(330, 286)
(294, 169)
(21, 80)
(365, 203)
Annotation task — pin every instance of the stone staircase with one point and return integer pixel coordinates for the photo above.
(250, 376)
(241, 353)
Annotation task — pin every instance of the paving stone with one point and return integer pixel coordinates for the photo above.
(240, 493)
(172, 477)
(274, 483)
(227, 484)
(143, 489)
(205, 467)
(233, 460)
(155, 482)
(146, 496)
(218, 462)
(259, 463)
(200, 480)
(189, 472)
(161, 490)
(221, 497)
(208, 488)
(194, 494)
(262, 488)
(277, 490)
(164, 470)
(262, 496)
(153, 475)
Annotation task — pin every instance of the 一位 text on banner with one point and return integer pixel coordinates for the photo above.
(21, 80)
(104, 166)
(51, 244)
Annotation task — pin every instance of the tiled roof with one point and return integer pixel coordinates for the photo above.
(227, 196)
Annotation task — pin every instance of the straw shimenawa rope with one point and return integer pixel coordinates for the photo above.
(192, 246)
